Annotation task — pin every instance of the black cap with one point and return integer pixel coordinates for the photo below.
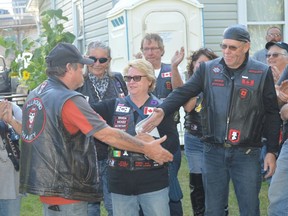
(64, 53)
(282, 45)
(237, 32)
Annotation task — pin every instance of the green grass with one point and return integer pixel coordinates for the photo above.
(233, 206)
(31, 205)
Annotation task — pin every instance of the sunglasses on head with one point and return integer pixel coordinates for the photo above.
(135, 78)
(101, 60)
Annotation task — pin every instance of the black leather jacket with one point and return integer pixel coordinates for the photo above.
(238, 103)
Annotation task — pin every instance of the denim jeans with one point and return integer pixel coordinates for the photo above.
(153, 203)
(75, 209)
(94, 208)
(193, 150)
(10, 207)
(277, 193)
(242, 166)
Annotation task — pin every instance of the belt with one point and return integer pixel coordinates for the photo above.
(227, 145)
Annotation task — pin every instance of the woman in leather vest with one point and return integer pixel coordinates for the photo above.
(135, 180)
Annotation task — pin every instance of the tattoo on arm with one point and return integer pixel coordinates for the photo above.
(129, 138)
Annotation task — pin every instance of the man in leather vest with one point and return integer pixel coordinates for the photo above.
(239, 100)
(167, 79)
(59, 160)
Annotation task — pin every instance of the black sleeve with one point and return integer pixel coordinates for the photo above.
(182, 94)
(105, 109)
(119, 77)
(272, 118)
(169, 128)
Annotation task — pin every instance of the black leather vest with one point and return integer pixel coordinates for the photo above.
(54, 162)
(163, 82)
(124, 119)
(116, 88)
(233, 107)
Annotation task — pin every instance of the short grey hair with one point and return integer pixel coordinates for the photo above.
(99, 45)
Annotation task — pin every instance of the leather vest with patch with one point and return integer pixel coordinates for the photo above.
(233, 110)
(125, 118)
(163, 82)
(54, 162)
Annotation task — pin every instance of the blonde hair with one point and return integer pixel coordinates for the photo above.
(144, 67)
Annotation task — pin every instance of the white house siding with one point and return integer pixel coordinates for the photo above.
(95, 21)
(66, 7)
(217, 15)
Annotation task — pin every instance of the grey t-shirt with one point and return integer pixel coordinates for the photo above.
(261, 56)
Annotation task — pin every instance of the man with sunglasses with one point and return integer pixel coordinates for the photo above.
(59, 159)
(273, 34)
(239, 100)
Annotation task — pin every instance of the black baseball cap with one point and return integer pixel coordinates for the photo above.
(282, 45)
(64, 53)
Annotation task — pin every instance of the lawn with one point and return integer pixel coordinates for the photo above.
(32, 207)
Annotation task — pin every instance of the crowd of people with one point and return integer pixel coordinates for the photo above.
(112, 136)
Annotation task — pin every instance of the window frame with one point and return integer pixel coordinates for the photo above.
(242, 18)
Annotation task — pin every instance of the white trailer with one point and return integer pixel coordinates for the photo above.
(179, 22)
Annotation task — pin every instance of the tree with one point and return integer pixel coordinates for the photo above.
(33, 74)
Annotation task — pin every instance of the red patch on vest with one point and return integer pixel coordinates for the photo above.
(243, 93)
(234, 135)
(248, 82)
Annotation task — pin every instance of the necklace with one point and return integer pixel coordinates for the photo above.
(97, 93)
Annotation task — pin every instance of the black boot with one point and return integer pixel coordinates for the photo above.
(197, 195)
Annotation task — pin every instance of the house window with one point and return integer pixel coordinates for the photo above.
(78, 24)
(259, 15)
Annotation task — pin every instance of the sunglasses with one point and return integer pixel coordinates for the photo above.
(274, 35)
(135, 78)
(101, 60)
(232, 48)
(274, 55)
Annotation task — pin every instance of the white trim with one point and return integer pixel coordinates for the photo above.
(242, 12)
(75, 19)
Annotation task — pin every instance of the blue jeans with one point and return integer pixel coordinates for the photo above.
(242, 166)
(193, 150)
(153, 204)
(94, 208)
(277, 193)
(10, 207)
(75, 209)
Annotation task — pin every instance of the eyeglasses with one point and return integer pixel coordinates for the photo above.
(274, 55)
(101, 60)
(135, 78)
(274, 35)
(232, 48)
(152, 49)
